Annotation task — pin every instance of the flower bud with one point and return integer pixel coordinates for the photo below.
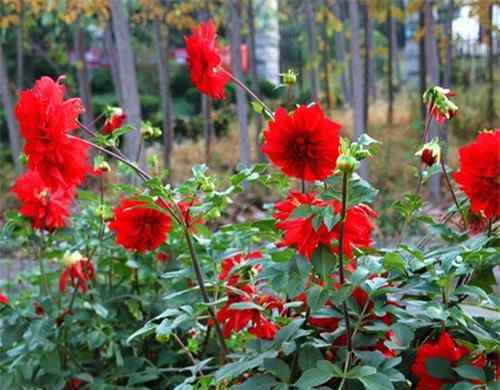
(439, 104)
(346, 163)
(101, 167)
(430, 153)
(289, 78)
(72, 258)
(162, 338)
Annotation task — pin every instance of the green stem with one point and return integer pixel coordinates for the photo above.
(452, 192)
(345, 180)
(204, 294)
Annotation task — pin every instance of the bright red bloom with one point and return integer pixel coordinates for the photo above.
(234, 320)
(47, 208)
(299, 232)
(204, 61)
(4, 299)
(73, 384)
(78, 271)
(228, 264)
(116, 121)
(162, 257)
(479, 174)
(38, 309)
(304, 144)
(45, 119)
(444, 348)
(139, 227)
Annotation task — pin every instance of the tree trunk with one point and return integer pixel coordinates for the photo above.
(161, 43)
(110, 48)
(357, 81)
(241, 98)
(14, 135)
(422, 74)
(255, 79)
(84, 89)
(368, 32)
(325, 58)
(128, 81)
(432, 70)
(312, 50)
(449, 44)
(395, 53)
(19, 50)
(340, 58)
(491, 75)
(390, 85)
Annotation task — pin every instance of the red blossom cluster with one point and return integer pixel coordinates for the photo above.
(115, 121)
(444, 348)
(4, 299)
(242, 291)
(299, 232)
(57, 162)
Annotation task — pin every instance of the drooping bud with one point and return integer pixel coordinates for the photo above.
(72, 258)
(439, 104)
(346, 163)
(148, 131)
(430, 153)
(101, 167)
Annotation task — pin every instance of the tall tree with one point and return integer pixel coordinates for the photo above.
(14, 136)
(312, 50)
(325, 51)
(84, 89)
(255, 80)
(368, 35)
(127, 74)
(491, 65)
(109, 46)
(340, 57)
(390, 85)
(357, 82)
(449, 43)
(19, 48)
(161, 44)
(432, 70)
(422, 68)
(241, 98)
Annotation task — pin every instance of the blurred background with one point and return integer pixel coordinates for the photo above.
(367, 62)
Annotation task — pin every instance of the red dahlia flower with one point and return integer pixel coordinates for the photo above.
(479, 174)
(234, 320)
(444, 348)
(304, 144)
(229, 263)
(299, 232)
(117, 120)
(47, 208)
(78, 271)
(4, 299)
(45, 119)
(139, 227)
(205, 62)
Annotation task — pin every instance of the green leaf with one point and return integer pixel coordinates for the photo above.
(393, 261)
(361, 371)
(309, 357)
(376, 381)
(50, 362)
(235, 369)
(323, 261)
(439, 368)
(245, 306)
(313, 377)
(465, 386)
(339, 296)
(298, 273)
(279, 368)
(261, 382)
(316, 297)
(470, 372)
(257, 107)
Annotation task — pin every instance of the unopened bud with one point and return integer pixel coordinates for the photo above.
(289, 78)
(72, 258)
(346, 163)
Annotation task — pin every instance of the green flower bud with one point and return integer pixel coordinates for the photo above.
(346, 163)
(289, 78)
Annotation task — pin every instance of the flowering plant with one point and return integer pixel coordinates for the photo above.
(155, 293)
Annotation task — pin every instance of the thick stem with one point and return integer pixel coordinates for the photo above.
(452, 192)
(250, 93)
(73, 296)
(345, 180)
(204, 294)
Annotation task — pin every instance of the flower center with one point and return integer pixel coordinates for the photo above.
(302, 148)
